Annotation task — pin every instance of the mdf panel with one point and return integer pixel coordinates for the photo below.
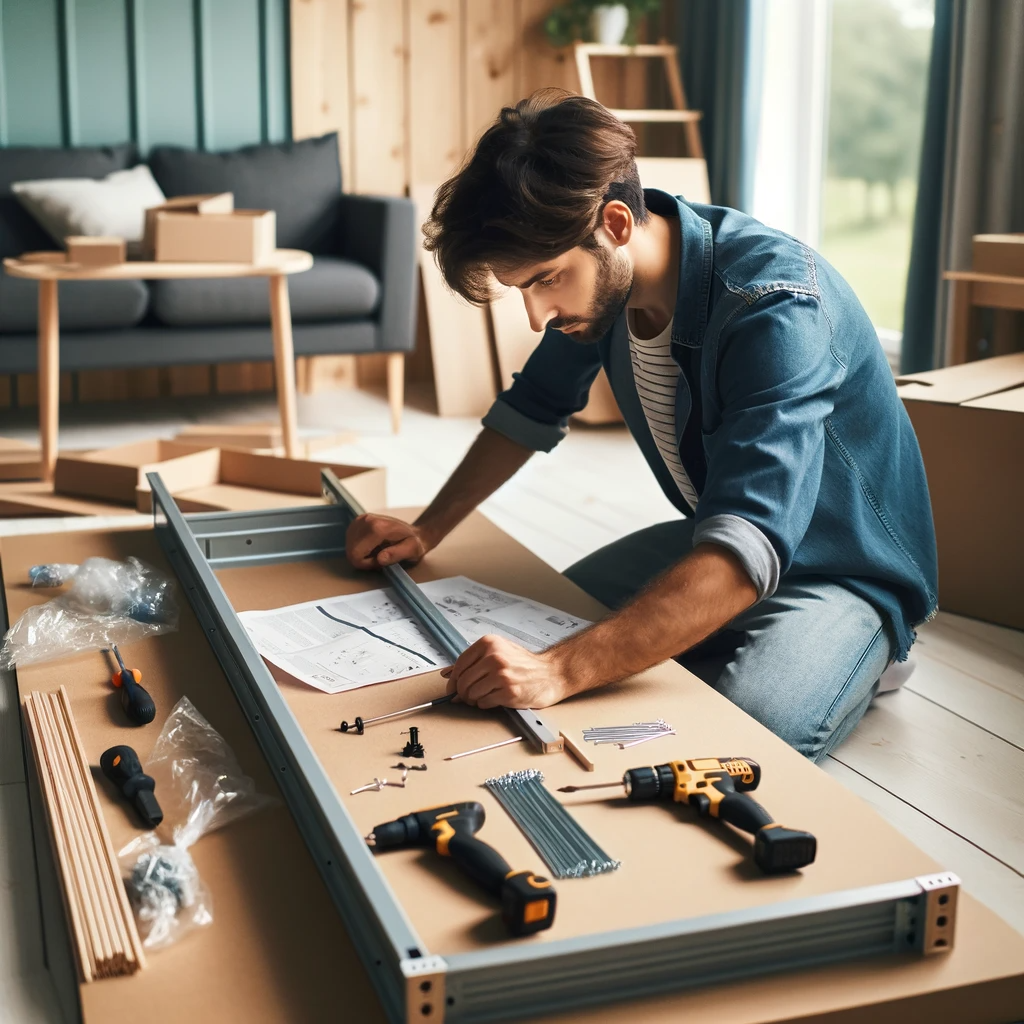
(32, 113)
(436, 138)
(229, 53)
(320, 71)
(163, 35)
(492, 62)
(379, 96)
(98, 80)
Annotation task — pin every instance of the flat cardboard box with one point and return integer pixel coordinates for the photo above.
(243, 236)
(113, 474)
(211, 202)
(247, 965)
(999, 254)
(969, 421)
(261, 438)
(19, 460)
(226, 479)
(95, 251)
(37, 498)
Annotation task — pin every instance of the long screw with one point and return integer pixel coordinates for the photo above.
(361, 723)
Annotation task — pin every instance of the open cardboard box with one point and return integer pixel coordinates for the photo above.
(113, 474)
(19, 460)
(224, 479)
(261, 438)
(999, 254)
(36, 498)
(969, 421)
(242, 236)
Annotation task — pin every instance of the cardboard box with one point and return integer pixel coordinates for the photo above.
(262, 438)
(37, 498)
(113, 474)
(244, 236)
(969, 420)
(223, 479)
(212, 202)
(95, 251)
(19, 460)
(999, 254)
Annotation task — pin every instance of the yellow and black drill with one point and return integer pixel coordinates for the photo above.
(527, 900)
(719, 787)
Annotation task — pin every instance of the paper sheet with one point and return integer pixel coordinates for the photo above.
(342, 643)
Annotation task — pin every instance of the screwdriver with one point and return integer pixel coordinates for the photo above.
(137, 703)
(718, 787)
(122, 766)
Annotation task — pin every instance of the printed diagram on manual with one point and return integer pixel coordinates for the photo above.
(342, 643)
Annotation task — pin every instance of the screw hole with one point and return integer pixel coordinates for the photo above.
(255, 718)
(426, 1009)
(451, 1000)
(425, 986)
(248, 540)
(941, 921)
(944, 899)
(940, 942)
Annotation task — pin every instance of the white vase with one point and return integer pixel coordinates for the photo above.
(608, 23)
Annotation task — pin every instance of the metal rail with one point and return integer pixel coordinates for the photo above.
(532, 724)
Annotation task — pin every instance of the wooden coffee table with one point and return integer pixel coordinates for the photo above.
(49, 271)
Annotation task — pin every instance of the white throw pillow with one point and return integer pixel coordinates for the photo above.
(114, 206)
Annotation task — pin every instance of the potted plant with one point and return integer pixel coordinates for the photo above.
(597, 21)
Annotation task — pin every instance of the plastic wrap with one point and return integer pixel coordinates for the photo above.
(201, 787)
(107, 603)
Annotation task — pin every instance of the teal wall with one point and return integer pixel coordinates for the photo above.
(210, 74)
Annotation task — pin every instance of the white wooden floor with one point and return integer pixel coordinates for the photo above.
(942, 759)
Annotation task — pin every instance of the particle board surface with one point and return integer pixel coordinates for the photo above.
(266, 891)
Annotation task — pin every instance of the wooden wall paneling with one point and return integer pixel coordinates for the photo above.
(6, 391)
(514, 338)
(180, 381)
(434, 119)
(378, 61)
(117, 385)
(26, 389)
(32, 113)
(231, 378)
(540, 64)
(492, 63)
(460, 342)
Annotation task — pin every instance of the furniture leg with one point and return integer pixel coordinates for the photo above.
(284, 361)
(960, 327)
(396, 388)
(49, 376)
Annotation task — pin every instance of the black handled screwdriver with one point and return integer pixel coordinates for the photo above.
(136, 702)
(124, 769)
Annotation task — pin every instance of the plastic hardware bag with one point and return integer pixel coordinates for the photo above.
(201, 787)
(107, 603)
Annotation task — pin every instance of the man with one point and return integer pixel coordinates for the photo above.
(754, 384)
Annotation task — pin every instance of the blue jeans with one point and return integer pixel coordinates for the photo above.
(804, 662)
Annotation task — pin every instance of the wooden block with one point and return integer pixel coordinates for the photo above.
(95, 250)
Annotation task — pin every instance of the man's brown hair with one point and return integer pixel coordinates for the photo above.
(533, 188)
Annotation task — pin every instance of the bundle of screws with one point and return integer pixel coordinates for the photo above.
(629, 735)
(564, 847)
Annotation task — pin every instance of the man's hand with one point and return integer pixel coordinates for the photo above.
(373, 541)
(497, 673)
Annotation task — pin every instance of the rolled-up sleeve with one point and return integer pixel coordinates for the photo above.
(552, 386)
(777, 378)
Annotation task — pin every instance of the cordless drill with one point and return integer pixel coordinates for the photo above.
(719, 787)
(527, 900)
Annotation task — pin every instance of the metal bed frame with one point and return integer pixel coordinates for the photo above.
(510, 980)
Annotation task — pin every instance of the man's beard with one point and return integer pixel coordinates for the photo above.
(611, 290)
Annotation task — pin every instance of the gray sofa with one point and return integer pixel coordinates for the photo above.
(359, 297)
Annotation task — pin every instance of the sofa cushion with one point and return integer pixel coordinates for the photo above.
(332, 289)
(82, 305)
(300, 181)
(19, 231)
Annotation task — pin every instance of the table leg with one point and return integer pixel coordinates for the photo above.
(960, 327)
(284, 361)
(396, 388)
(49, 376)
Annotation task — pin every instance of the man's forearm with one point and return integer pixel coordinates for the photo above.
(683, 606)
(491, 461)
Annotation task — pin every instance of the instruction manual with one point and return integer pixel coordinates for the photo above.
(341, 643)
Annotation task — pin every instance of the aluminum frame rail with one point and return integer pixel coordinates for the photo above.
(511, 980)
(532, 724)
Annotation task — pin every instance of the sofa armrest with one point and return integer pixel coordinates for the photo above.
(380, 233)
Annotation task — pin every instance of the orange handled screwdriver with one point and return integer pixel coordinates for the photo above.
(137, 703)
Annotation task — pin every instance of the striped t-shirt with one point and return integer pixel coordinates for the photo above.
(657, 377)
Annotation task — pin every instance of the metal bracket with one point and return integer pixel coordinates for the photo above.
(532, 724)
(938, 911)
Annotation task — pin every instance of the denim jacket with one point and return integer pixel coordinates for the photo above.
(805, 460)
